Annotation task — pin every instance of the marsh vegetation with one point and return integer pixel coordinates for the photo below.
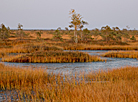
(52, 57)
(122, 54)
(48, 46)
(38, 85)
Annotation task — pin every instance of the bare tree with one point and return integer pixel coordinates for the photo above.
(20, 31)
(75, 22)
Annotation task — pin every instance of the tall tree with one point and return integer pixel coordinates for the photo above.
(20, 31)
(75, 22)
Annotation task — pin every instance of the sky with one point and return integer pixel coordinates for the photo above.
(51, 14)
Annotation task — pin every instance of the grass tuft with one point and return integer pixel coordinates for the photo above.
(117, 85)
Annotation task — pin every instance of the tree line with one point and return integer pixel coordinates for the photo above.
(80, 35)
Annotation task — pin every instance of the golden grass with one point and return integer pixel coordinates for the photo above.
(52, 57)
(98, 47)
(114, 75)
(83, 46)
(28, 48)
(122, 54)
(118, 85)
(2, 53)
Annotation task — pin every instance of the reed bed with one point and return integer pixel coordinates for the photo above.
(3, 53)
(117, 85)
(29, 48)
(114, 75)
(83, 47)
(122, 54)
(52, 57)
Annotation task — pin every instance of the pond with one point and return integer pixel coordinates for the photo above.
(71, 68)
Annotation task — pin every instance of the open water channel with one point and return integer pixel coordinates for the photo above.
(71, 68)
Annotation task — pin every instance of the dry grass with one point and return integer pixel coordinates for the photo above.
(83, 46)
(31, 47)
(52, 57)
(122, 54)
(115, 75)
(118, 85)
(3, 53)
(98, 47)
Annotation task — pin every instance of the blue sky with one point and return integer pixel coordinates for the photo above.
(51, 14)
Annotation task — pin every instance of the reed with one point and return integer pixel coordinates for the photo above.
(87, 47)
(52, 57)
(113, 75)
(29, 48)
(122, 54)
(3, 53)
(117, 85)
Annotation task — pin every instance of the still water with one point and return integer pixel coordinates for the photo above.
(71, 68)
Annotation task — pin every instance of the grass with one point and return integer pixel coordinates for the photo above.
(83, 46)
(114, 75)
(2, 53)
(29, 48)
(117, 85)
(52, 57)
(122, 54)
(97, 47)
(27, 84)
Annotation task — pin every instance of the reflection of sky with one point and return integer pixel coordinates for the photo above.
(51, 14)
(82, 67)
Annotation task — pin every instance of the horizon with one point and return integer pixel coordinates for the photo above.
(52, 14)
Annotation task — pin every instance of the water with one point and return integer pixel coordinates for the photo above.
(71, 68)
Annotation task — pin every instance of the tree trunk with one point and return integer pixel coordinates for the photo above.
(81, 34)
(75, 35)
(76, 40)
